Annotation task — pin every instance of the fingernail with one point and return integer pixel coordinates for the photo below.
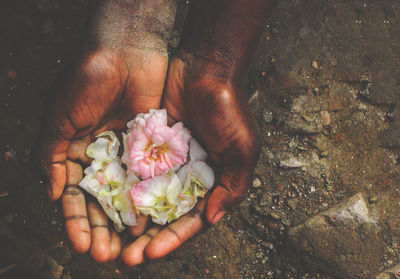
(218, 216)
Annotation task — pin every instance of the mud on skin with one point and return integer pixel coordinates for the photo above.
(251, 240)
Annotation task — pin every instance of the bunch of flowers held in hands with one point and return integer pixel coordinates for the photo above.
(164, 171)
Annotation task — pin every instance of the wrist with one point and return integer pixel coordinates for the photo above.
(131, 24)
(218, 66)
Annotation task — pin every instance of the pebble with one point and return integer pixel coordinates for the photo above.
(326, 118)
(256, 183)
(274, 216)
(267, 116)
(314, 64)
(373, 199)
(362, 106)
(252, 196)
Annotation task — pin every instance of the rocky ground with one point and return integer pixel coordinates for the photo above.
(323, 87)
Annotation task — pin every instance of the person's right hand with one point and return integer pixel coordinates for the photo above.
(103, 92)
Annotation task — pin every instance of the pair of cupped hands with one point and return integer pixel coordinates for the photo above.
(105, 90)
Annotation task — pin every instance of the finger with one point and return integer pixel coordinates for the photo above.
(77, 150)
(74, 209)
(218, 202)
(115, 246)
(238, 166)
(141, 225)
(177, 233)
(76, 222)
(101, 239)
(230, 190)
(133, 254)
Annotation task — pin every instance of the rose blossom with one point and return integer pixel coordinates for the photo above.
(152, 148)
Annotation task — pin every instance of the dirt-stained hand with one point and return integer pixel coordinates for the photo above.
(215, 110)
(103, 92)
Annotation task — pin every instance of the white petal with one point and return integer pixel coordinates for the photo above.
(89, 184)
(162, 219)
(111, 212)
(130, 124)
(131, 180)
(148, 192)
(174, 188)
(196, 152)
(160, 113)
(184, 175)
(128, 218)
(105, 148)
(203, 173)
(115, 172)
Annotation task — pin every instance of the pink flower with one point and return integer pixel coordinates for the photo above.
(152, 148)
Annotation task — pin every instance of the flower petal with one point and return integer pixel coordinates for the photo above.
(147, 192)
(196, 152)
(111, 212)
(105, 148)
(202, 173)
(173, 190)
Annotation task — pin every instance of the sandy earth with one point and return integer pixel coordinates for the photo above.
(324, 86)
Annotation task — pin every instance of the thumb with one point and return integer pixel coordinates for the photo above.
(224, 196)
(231, 187)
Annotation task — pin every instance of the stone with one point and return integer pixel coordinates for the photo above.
(292, 162)
(335, 240)
(393, 272)
(256, 183)
(274, 216)
(305, 117)
(326, 118)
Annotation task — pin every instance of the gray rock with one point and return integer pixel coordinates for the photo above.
(342, 240)
(305, 116)
(292, 162)
(393, 272)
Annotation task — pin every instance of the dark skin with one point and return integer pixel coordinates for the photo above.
(204, 88)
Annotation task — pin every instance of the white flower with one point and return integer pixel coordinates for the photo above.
(105, 148)
(106, 180)
(167, 197)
